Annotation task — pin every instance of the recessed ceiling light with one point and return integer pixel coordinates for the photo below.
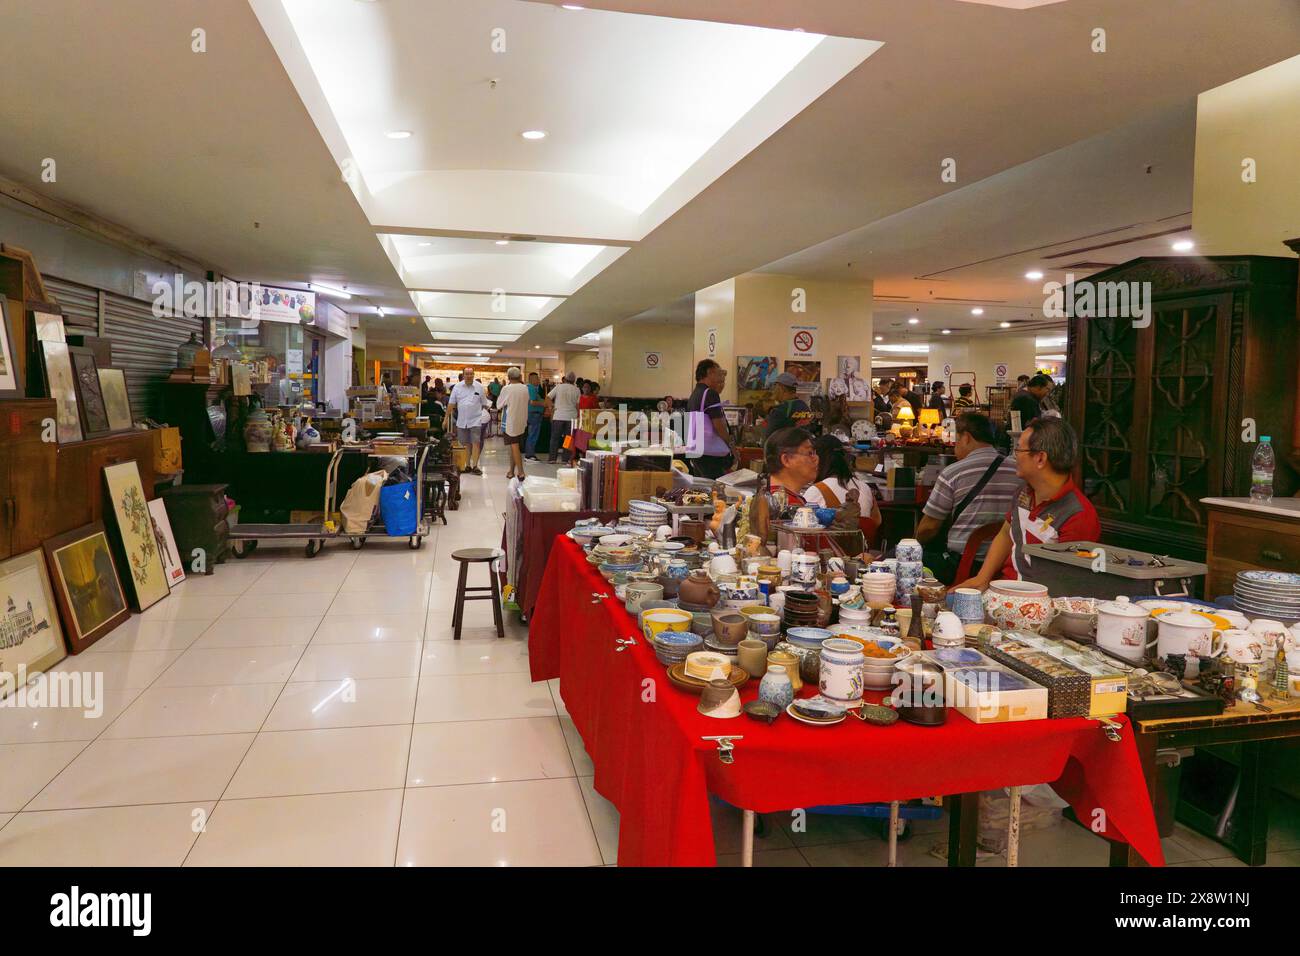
(424, 244)
(329, 290)
(1034, 274)
(1005, 325)
(503, 242)
(537, 346)
(913, 321)
(947, 331)
(533, 134)
(976, 311)
(573, 6)
(1184, 245)
(398, 134)
(880, 338)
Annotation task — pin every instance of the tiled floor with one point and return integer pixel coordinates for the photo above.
(293, 712)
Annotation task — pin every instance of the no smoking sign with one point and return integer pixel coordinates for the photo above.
(652, 359)
(803, 341)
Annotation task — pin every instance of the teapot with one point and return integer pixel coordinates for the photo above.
(698, 590)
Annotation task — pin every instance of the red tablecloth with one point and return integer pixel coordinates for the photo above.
(644, 737)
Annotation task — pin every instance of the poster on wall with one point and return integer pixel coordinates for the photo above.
(286, 305)
(754, 377)
(848, 382)
(803, 341)
(809, 375)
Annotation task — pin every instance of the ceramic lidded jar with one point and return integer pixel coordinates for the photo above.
(840, 674)
(1019, 606)
(699, 590)
(257, 431)
(775, 687)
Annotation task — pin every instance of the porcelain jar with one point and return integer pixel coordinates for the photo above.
(1122, 629)
(1181, 632)
(840, 671)
(775, 687)
(258, 431)
(1018, 606)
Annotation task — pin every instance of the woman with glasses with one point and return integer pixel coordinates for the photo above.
(791, 462)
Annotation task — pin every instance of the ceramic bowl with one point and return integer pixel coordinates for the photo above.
(729, 627)
(810, 637)
(764, 625)
(1018, 606)
(665, 619)
(609, 542)
(619, 555)
(762, 710)
(673, 647)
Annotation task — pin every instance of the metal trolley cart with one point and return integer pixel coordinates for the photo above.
(244, 537)
(418, 457)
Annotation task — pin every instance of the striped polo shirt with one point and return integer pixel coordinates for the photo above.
(990, 505)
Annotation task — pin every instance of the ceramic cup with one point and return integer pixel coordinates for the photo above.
(789, 663)
(1272, 633)
(752, 657)
(948, 630)
(909, 549)
(719, 699)
(638, 592)
(1243, 647)
(776, 688)
(967, 604)
(776, 600)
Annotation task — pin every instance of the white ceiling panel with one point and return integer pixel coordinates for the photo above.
(518, 266)
(485, 305)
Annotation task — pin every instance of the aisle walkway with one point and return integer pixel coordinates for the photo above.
(291, 712)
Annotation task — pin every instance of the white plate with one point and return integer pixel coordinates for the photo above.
(815, 723)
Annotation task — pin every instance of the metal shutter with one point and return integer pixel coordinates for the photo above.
(80, 303)
(144, 347)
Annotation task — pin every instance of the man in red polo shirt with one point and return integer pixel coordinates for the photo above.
(1050, 507)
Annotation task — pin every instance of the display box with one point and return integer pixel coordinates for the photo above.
(1080, 684)
(641, 485)
(985, 691)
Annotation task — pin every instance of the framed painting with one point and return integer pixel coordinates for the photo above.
(31, 639)
(117, 403)
(49, 327)
(61, 385)
(90, 401)
(86, 585)
(146, 583)
(11, 383)
(162, 532)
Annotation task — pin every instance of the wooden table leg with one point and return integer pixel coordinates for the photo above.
(1252, 804)
(747, 838)
(963, 828)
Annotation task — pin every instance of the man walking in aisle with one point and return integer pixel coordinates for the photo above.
(466, 410)
(513, 403)
(563, 402)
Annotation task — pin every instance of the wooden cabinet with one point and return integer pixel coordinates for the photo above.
(27, 469)
(1160, 403)
(79, 489)
(1245, 536)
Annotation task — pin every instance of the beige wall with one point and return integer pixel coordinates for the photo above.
(754, 314)
(1256, 117)
(583, 365)
(629, 376)
(981, 354)
(715, 308)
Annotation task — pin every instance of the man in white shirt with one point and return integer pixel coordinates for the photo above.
(513, 403)
(563, 402)
(465, 408)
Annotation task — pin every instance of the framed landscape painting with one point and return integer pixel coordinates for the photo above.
(86, 585)
(146, 582)
(31, 639)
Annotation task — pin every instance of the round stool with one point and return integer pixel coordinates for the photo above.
(466, 557)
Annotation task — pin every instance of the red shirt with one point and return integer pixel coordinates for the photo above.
(1069, 516)
(588, 401)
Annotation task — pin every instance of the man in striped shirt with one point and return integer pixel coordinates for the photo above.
(978, 489)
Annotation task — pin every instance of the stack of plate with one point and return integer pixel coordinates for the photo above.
(1272, 594)
(646, 514)
(673, 647)
(800, 609)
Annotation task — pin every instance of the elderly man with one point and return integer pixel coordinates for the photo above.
(790, 409)
(563, 403)
(466, 409)
(1049, 509)
(513, 403)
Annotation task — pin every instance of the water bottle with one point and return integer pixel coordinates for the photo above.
(1261, 471)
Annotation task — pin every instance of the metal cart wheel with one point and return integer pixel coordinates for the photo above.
(358, 543)
(314, 547)
(243, 548)
(415, 542)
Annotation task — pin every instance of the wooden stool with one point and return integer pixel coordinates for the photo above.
(466, 557)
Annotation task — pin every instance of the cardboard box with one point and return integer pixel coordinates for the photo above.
(641, 484)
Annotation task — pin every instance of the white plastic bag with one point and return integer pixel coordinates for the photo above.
(359, 504)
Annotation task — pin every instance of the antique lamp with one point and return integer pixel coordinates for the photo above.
(903, 421)
(929, 419)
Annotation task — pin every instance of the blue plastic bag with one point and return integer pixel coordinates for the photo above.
(397, 508)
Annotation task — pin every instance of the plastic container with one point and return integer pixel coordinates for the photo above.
(552, 500)
(1261, 470)
(567, 477)
(397, 508)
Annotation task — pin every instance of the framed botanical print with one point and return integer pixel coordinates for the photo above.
(31, 639)
(90, 401)
(86, 585)
(11, 383)
(162, 532)
(146, 583)
(117, 403)
(61, 385)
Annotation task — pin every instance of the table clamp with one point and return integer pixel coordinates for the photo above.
(624, 643)
(726, 746)
(597, 597)
(1110, 728)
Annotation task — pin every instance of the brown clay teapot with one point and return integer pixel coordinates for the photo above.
(698, 589)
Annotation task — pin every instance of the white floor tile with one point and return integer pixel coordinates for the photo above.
(290, 604)
(475, 657)
(323, 761)
(112, 773)
(207, 667)
(481, 697)
(524, 823)
(29, 767)
(228, 579)
(353, 603)
(157, 835)
(331, 829)
(182, 711)
(604, 820)
(369, 629)
(122, 670)
(137, 634)
(344, 703)
(326, 662)
(258, 632)
(183, 606)
(28, 725)
(487, 751)
(396, 579)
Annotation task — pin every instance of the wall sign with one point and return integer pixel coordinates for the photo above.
(285, 305)
(947, 371)
(1000, 372)
(713, 343)
(653, 360)
(803, 341)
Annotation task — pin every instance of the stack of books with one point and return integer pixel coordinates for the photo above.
(598, 480)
